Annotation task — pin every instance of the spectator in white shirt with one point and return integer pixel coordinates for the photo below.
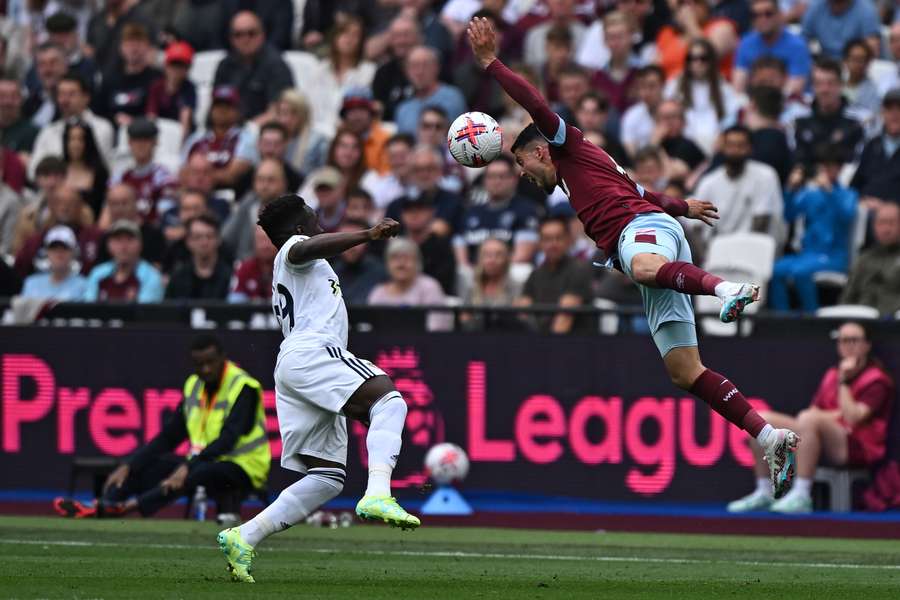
(747, 193)
(73, 96)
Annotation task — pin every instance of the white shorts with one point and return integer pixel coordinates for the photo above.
(312, 385)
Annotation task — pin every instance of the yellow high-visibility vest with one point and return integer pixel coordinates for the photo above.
(205, 417)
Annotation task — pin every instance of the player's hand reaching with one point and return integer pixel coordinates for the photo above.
(117, 477)
(483, 40)
(702, 211)
(388, 228)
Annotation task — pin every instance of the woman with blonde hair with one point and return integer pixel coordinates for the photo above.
(492, 285)
(307, 148)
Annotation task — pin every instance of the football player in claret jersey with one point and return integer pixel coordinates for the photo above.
(319, 383)
(638, 232)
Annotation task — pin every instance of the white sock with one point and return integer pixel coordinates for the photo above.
(763, 437)
(294, 504)
(802, 487)
(727, 288)
(386, 420)
(764, 486)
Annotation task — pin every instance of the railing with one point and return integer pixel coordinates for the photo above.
(363, 318)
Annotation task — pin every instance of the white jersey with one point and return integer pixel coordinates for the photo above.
(308, 302)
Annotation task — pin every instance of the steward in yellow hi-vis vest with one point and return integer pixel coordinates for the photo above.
(222, 418)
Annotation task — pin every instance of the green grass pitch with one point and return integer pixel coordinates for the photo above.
(56, 558)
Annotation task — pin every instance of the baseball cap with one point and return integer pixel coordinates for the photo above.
(226, 94)
(61, 234)
(892, 97)
(124, 226)
(179, 52)
(357, 98)
(325, 177)
(142, 129)
(60, 22)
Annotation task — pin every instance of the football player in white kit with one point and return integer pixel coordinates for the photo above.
(319, 383)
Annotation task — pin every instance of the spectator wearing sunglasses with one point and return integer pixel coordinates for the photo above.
(770, 38)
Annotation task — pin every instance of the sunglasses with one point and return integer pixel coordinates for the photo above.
(241, 33)
(431, 125)
(698, 58)
(763, 13)
(850, 340)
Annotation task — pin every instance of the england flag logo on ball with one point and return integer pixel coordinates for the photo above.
(474, 139)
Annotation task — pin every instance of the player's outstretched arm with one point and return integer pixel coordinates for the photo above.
(326, 245)
(483, 40)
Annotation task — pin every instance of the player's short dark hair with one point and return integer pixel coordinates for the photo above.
(768, 62)
(274, 126)
(51, 165)
(205, 218)
(526, 136)
(829, 65)
(401, 138)
(78, 79)
(651, 70)
(858, 43)
(203, 341)
(277, 218)
(742, 129)
(550, 219)
(768, 100)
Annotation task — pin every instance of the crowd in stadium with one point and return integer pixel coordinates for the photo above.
(138, 141)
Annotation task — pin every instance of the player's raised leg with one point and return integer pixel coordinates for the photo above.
(654, 270)
(688, 372)
(378, 404)
(323, 481)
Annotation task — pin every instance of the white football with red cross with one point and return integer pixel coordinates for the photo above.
(474, 139)
(446, 462)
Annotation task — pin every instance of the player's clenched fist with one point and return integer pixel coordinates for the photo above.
(388, 228)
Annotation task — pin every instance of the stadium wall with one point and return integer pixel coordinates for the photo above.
(583, 417)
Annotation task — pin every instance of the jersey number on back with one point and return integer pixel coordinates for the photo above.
(284, 308)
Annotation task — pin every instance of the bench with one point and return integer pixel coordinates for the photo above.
(840, 482)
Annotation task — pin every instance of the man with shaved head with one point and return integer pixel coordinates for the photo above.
(254, 67)
(422, 69)
(390, 86)
(269, 182)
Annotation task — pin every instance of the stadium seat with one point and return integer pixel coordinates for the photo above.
(848, 311)
(736, 257)
(840, 485)
(520, 272)
(833, 281)
(608, 321)
(203, 69)
(303, 66)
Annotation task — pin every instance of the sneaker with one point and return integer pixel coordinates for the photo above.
(735, 303)
(756, 501)
(386, 509)
(782, 459)
(238, 554)
(793, 504)
(73, 509)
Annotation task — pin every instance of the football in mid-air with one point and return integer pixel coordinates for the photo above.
(474, 139)
(446, 463)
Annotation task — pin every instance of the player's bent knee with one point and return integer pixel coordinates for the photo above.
(644, 267)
